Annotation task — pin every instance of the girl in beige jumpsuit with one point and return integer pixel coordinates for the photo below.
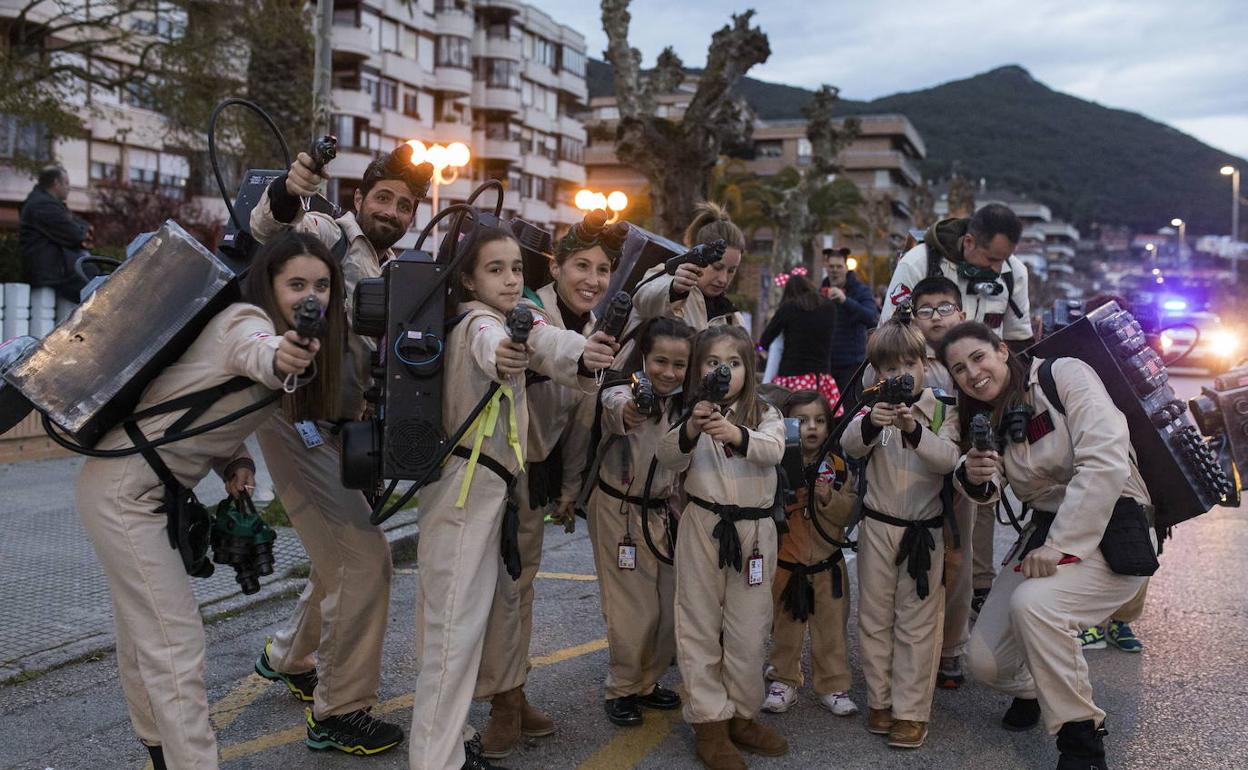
(726, 552)
(1078, 467)
(160, 634)
(558, 432)
(461, 513)
(637, 587)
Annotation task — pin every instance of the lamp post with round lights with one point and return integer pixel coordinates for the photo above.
(1233, 173)
(613, 203)
(1179, 223)
(446, 161)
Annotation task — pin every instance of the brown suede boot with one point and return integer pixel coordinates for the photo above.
(714, 748)
(533, 721)
(502, 733)
(907, 734)
(756, 739)
(879, 721)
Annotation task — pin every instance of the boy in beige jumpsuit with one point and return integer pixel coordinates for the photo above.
(901, 605)
(1026, 641)
(555, 416)
(340, 621)
(160, 634)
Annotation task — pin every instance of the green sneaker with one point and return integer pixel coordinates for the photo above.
(1093, 638)
(358, 733)
(1121, 636)
(300, 685)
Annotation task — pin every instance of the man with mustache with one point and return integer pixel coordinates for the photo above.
(330, 652)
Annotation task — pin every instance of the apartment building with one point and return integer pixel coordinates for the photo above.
(881, 161)
(500, 76)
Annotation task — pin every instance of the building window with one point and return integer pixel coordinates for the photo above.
(769, 148)
(139, 93)
(542, 50)
(389, 36)
(454, 51)
(410, 48)
(411, 104)
(572, 60)
(105, 172)
(371, 23)
(448, 5)
(388, 95)
(571, 150)
(499, 73)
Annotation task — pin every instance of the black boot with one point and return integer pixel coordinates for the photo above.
(158, 757)
(1081, 746)
(624, 712)
(1023, 714)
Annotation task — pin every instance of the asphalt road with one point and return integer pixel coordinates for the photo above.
(1183, 703)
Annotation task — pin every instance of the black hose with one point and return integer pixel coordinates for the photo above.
(486, 185)
(212, 148)
(645, 516)
(73, 446)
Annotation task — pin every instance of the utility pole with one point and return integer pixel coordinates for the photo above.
(323, 75)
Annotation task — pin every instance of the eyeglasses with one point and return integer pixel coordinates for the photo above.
(944, 308)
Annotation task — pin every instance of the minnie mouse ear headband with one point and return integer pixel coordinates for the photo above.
(593, 231)
(783, 278)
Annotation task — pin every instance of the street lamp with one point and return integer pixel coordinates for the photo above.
(1151, 248)
(1233, 173)
(614, 202)
(446, 162)
(1179, 223)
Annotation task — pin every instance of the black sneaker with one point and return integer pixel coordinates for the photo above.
(1023, 714)
(158, 757)
(358, 732)
(474, 760)
(300, 685)
(660, 698)
(623, 712)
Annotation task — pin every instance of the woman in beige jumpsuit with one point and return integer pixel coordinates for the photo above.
(160, 634)
(1074, 470)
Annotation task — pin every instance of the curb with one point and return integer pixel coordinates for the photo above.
(402, 537)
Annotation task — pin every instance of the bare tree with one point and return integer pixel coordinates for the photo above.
(677, 155)
(57, 50)
(961, 196)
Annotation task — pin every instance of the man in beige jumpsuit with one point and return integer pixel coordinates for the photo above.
(330, 652)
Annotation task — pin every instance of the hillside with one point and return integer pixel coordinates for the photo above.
(1089, 163)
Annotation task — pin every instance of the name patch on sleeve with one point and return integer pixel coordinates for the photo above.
(1040, 426)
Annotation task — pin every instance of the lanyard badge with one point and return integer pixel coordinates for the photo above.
(627, 555)
(754, 574)
(310, 434)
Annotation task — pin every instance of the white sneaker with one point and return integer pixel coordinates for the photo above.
(780, 697)
(838, 703)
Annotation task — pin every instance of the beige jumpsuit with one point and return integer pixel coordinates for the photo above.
(555, 415)
(341, 617)
(160, 634)
(654, 299)
(460, 522)
(900, 633)
(1026, 641)
(829, 623)
(637, 603)
(721, 620)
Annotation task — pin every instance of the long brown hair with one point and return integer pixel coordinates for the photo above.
(1010, 396)
(750, 407)
(801, 292)
(460, 293)
(320, 399)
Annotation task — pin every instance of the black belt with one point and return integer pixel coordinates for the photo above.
(1041, 522)
(487, 461)
(509, 540)
(653, 503)
(725, 531)
(916, 545)
(798, 596)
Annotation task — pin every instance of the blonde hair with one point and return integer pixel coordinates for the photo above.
(895, 342)
(711, 223)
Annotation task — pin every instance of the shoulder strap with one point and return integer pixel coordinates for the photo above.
(1008, 280)
(531, 296)
(1049, 385)
(195, 403)
(938, 416)
(339, 250)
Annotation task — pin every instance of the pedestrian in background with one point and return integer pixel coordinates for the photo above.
(51, 238)
(809, 325)
(856, 312)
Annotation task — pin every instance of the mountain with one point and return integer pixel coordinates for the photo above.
(1088, 162)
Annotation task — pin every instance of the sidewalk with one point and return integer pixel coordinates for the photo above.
(56, 607)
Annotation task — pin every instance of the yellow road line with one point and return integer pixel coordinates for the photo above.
(565, 576)
(630, 746)
(293, 735)
(542, 575)
(226, 710)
